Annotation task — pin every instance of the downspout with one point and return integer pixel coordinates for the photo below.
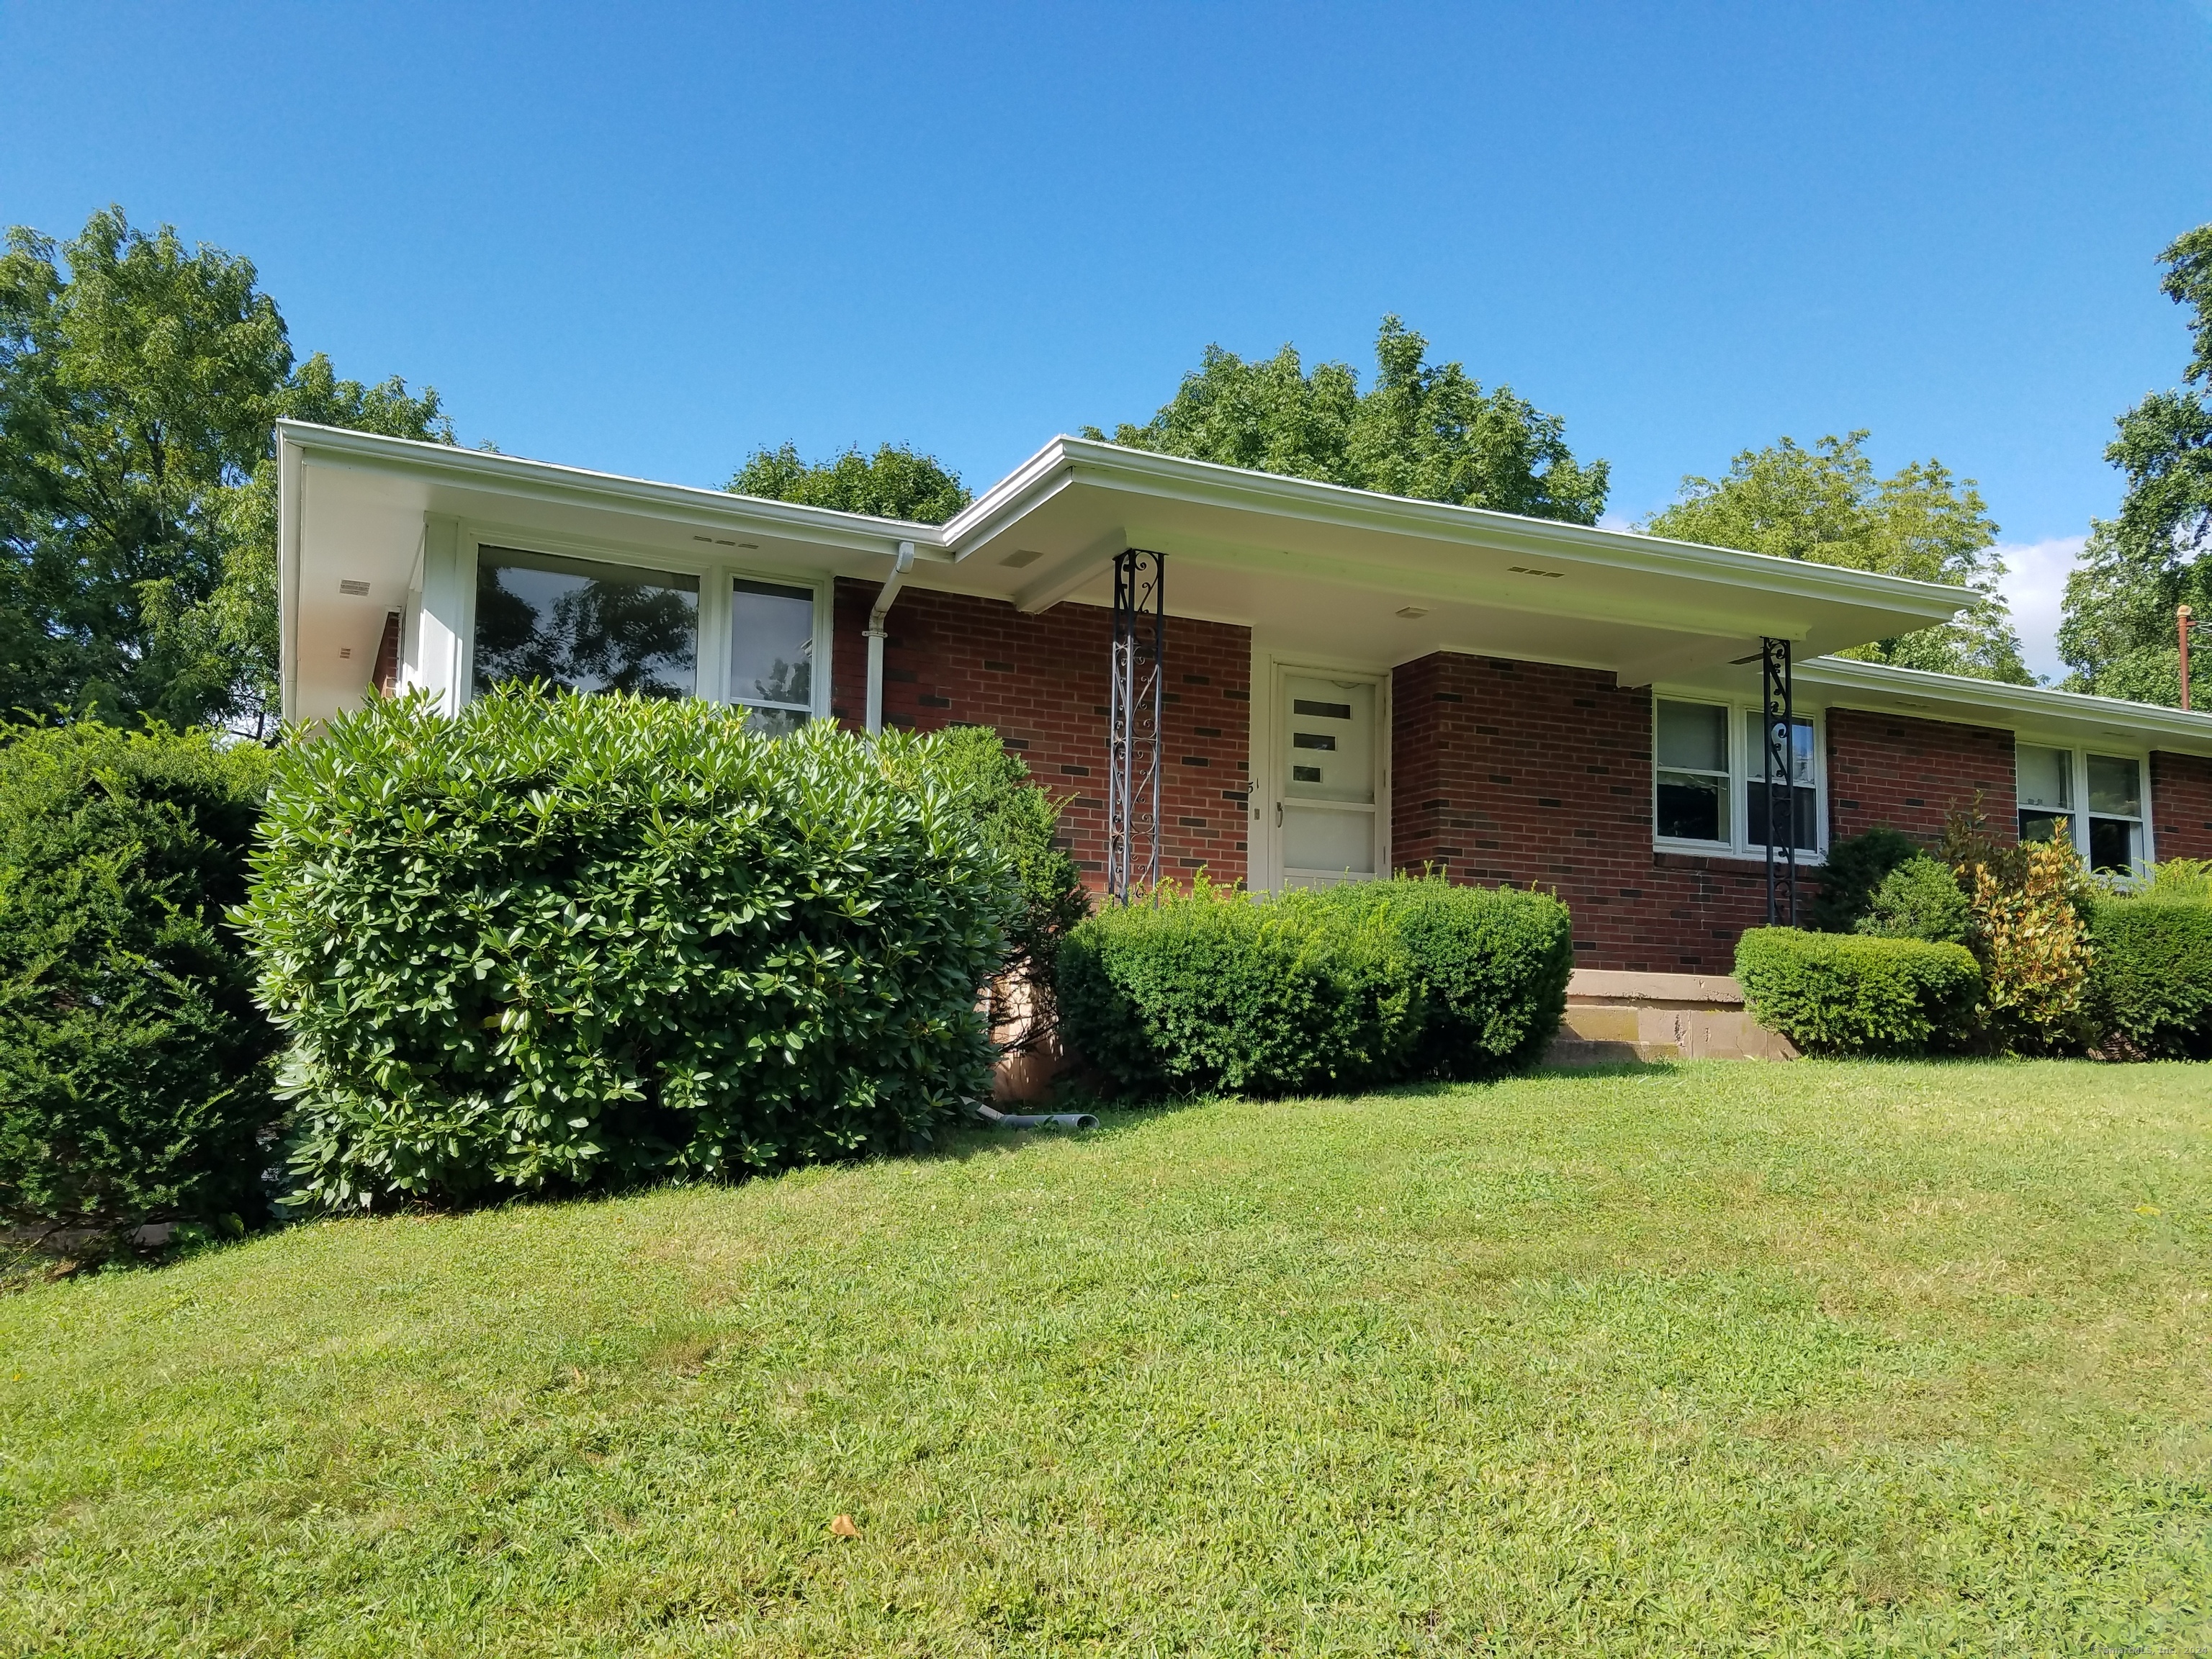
(884, 598)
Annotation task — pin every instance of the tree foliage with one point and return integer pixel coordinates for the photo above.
(134, 1085)
(1825, 504)
(2118, 632)
(1427, 431)
(895, 482)
(139, 381)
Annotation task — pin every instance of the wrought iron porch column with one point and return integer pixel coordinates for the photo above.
(1778, 689)
(1136, 694)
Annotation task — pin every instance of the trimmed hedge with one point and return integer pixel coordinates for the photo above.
(1492, 964)
(2150, 977)
(1212, 990)
(1366, 984)
(1842, 993)
(134, 1082)
(574, 941)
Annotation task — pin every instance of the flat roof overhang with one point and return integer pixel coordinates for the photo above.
(2031, 712)
(1339, 575)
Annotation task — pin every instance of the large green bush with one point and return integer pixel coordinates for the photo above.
(1849, 993)
(2150, 977)
(134, 1082)
(1370, 982)
(574, 941)
(1015, 817)
(1852, 874)
(1214, 989)
(1493, 964)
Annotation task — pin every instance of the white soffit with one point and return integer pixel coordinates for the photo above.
(1344, 572)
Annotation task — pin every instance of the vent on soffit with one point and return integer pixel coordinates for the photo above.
(1021, 557)
(358, 590)
(1531, 570)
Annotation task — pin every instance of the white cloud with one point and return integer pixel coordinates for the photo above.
(2035, 586)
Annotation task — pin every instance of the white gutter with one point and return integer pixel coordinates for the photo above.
(884, 598)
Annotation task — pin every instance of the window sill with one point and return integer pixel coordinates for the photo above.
(1713, 852)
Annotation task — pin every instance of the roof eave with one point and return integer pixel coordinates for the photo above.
(548, 480)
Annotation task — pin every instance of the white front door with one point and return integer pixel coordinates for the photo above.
(1329, 767)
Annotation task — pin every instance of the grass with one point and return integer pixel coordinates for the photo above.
(1817, 1357)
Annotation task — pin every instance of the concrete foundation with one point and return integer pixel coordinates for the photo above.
(1615, 1017)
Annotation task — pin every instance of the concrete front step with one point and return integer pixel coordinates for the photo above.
(1615, 1017)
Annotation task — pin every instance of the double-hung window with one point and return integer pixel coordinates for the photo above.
(2099, 797)
(772, 654)
(1709, 785)
(1799, 819)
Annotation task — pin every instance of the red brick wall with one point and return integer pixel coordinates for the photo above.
(1041, 681)
(2181, 805)
(1542, 776)
(1909, 773)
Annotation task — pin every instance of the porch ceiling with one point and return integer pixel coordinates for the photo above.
(1334, 571)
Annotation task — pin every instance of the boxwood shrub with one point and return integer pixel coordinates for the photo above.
(2150, 977)
(1492, 964)
(1371, 983)
(565, 942)
(134, 1081)
(1213, 989)
(1842, 993)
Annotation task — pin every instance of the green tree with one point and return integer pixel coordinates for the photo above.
(895, 482)
(2118, 634)
(138, 383)
(1426, 431)
(1825, 504)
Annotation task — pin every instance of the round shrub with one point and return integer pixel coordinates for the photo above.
(1920, 899)
(1850, 875)
(573, 941)
(134, 1081)
(1215, 988)
(1844, 994)
(1492, 964)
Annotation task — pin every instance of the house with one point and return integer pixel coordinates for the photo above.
(1329, 683)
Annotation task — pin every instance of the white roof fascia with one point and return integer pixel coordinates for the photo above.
(289, 524)
(1142, 471)
(2028, 707)
(548, 481)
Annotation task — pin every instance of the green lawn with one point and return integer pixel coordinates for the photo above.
(1816, 1357)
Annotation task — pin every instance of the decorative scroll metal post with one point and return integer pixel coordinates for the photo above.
(1139, 689)
(1781, 776)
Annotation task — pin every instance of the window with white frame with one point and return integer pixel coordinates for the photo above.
(772, 653)
(2099, 798)
(1708, 779)
(584, 626)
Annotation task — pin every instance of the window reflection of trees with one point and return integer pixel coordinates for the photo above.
(583, 627)
(786, 681)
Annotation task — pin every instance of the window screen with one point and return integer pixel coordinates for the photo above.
(1804, 823)
(1691, 780)
(2116, 837)
(2044, 780)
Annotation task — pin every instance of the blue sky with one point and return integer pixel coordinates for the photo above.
(649, 239)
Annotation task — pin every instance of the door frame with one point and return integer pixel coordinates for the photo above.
(1264, 861)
